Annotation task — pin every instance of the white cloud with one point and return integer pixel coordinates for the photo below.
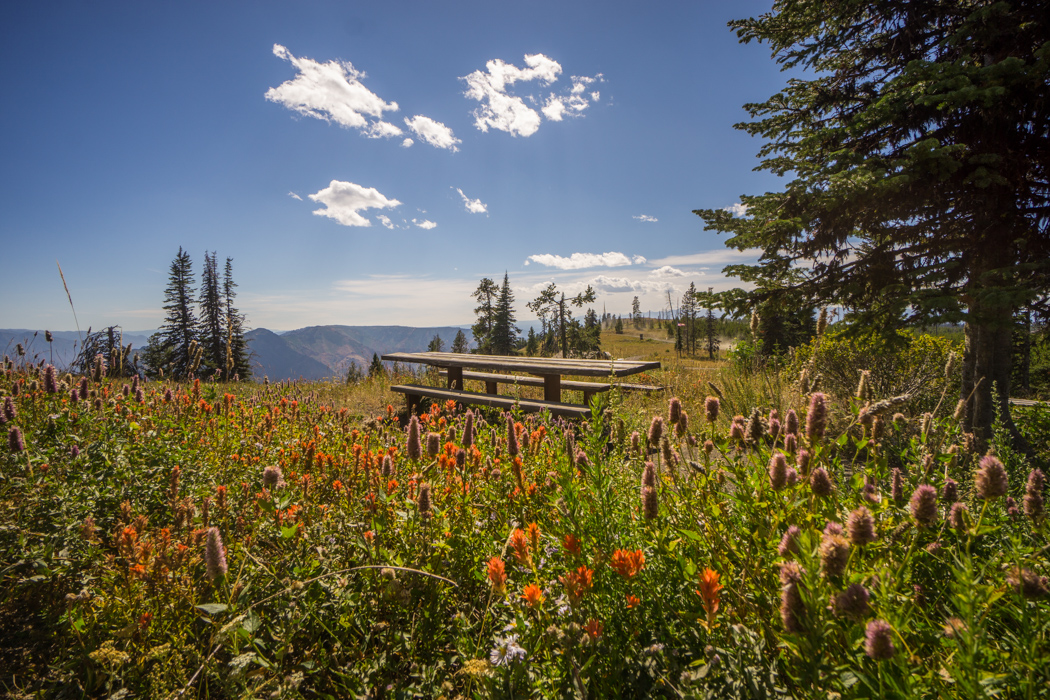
(645, 217)
(506, 112)
(611, 285)
(578, 261)
(474, 206)
(718, 256)
(293, 195)
(435, 133)
(667, 271)
(736, 210)
(385, 220)
(407, 143)
(333, 92)
(424, 224)
(343, 201)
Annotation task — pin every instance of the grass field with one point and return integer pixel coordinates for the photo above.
(308, 540)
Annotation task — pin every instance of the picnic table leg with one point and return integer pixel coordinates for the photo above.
(551, 387)
(491, 387)
(413, 403)
(455, 378)
(587, 396)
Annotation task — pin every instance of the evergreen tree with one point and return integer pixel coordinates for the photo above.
(212, 331)
(504, 333)
(486, 294)
(918, 142)
(689, 312)
(376, 369)
(618, 328)
(459, 343)
(237, 362)
(711, 341)
(532, 344)
(178, 334)
(636, 312)
(354, 375)
(552, 308)
(436, 344)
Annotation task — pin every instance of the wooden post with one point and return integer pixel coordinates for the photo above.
(491, 387)
(455, 378)
(552, 387)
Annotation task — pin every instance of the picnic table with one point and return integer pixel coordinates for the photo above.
(495, 370)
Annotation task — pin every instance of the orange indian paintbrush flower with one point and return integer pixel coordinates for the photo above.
(709, 594)
(627, 564)
(497, 575)
(532, 595)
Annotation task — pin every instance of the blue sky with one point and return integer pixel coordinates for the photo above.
(368, 163)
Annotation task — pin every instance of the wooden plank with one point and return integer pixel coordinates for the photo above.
(455, 377)
(414, 391)
(552, 387)
(530, 381)
(540, 366)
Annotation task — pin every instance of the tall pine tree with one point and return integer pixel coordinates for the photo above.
(917, 143)
(486, 294)
(212, 334)
(179, 330)
(237, 361)
(504, 332)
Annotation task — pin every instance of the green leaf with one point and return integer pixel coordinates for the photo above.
(289, 531)
(213, 608)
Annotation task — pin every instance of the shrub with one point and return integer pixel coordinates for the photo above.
(912, 365)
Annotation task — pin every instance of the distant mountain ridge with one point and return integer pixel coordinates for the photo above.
(315, 352)
(336, 347)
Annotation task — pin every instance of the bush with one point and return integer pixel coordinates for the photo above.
(913, 365)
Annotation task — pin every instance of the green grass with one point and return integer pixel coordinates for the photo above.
(340, 583)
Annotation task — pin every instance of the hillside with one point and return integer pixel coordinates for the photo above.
(271, 356)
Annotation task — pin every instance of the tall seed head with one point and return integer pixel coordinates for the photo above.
(816, 418)
(923, 505)
(711, 406)
(415, 446)
(990, 479)
(1034, 504)
(215, 555)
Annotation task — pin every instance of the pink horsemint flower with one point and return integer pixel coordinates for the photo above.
(957, 516)
(415, 445)
(468, 430)
(878, 640)
(214, 555)
(50, 383)
(820, 483)
(991, 478)
(950, 491)
(736, 429)
(674, 410)
(816, 418)
(636, 442)
(834, 553)
(852, 602)
(1033, 495)
(791, 423)
(1028, 584)
(923, 505)
(272, 477)
(433, 444)
(778, 471)
(792, 608)
(711, 407)
(650, 506)
(897, 485)
(861, 527)
(15, 441)
(789, 542)
(656, 431)
(423, 502)
(512, 437)
(387, 468)
(10, 412)
(802, 462)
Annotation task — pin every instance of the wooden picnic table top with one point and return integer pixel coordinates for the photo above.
(542, 366)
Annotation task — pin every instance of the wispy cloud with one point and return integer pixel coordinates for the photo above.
(424, 224)
(508, 112)
(736, 210)
(613, 285)
(385, 220)
(333, 91)
(667, 271)
(474, 206)
(293, 195)
(645, 217)
(433, 132)
(707, 258)
(343, 201)
(578, 261)
(407, 143)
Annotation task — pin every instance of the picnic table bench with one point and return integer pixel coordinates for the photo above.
(547, 372)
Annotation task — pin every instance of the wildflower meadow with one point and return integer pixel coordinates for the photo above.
(171, 540)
